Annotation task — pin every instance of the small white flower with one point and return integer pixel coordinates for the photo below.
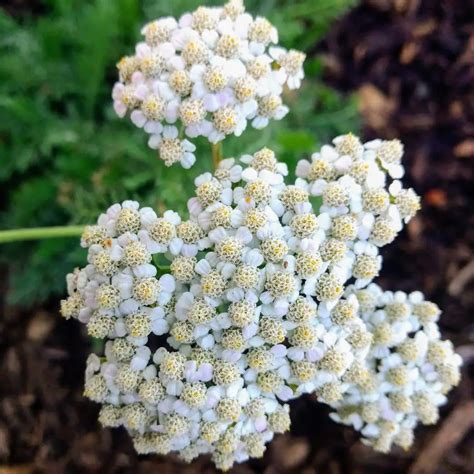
(217, 59)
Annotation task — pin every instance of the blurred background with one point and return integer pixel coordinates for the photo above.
(381, 68)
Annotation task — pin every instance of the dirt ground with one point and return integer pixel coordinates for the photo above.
(412, 63)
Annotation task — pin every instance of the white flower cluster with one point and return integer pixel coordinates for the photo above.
(207, 74)
(362, 207)
(214, 322)
(186, 397)
(407, 373)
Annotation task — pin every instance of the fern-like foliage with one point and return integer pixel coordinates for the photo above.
(64, 156)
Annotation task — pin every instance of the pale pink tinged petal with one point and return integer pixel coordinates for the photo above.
(116, 253)
(226, 96)
(396, 171)
(266, 298)
(120, 108)
(250, 108)
(189, 250)
(129, 306)
(276, 52)
(256, 48)
(138, 118)
(175, 246)
(260, 424)
(138, 363)
(241, 126)
(142, 49)
(194, 206)
(154, 128)
(138, 78)
(281, 112)
(167, 283)
(211, 103)
(192, 131)
(188, 146)
(117, 91)
(197, 72)
(159, 327)
(314, 355)
(141, 91)
(205, 128)
(280, 76)
(205, 372)
(260, 122)
(145, 270)
(207, 342)
(215, 136)
(244, 235)
(84, 316)
(249, 331)
(177, 63)
(279, 350)
(165, 91)
(293, 83)
(167, 50)
(156, 313)
(170, 132)
(395, 188)
(210, 37)
(285, 393)
(249, 174)
(154, 141)
(186, 20)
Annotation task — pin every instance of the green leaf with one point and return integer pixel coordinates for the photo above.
(296, 141)
(65, 156)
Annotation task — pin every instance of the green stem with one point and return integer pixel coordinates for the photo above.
(36, 233)
(216, 154)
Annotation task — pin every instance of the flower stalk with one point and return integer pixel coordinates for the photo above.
(216, 154)
(39, 233)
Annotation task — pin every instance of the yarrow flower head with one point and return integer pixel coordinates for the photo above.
(240, 295)
(363, 205)
(407, 373)
(207, 74)
(214, 321)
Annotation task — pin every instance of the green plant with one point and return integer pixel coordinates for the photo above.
(64, 153)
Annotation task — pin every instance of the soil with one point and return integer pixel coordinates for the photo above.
(412, 63)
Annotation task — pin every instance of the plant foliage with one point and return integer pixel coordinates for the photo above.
(64, 154)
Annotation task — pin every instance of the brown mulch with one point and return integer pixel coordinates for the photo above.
(412, 63)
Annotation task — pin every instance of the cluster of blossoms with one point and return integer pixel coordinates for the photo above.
(406, 374)
(207, 74)
(363, 203)
(213, 322)
(162, 376)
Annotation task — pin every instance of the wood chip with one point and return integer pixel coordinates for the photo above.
(458, 423)
(375, 106)
(460, 280)
(465, 149)
(40, 326)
